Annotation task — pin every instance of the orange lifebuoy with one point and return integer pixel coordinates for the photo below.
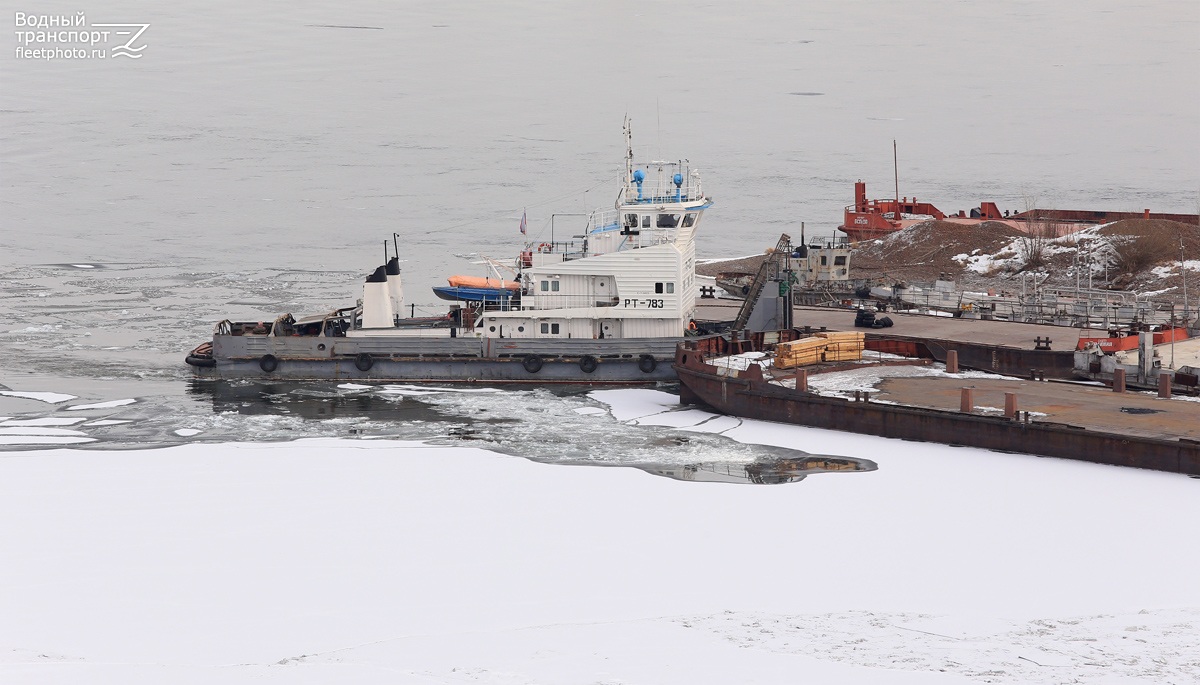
(545, 247)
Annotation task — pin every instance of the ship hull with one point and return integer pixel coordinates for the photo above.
(440, 360)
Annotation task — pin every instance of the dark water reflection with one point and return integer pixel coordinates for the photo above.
(561, 426)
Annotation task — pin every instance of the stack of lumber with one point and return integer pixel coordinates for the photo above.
(800, 352)
(843, 347)
(823, 347)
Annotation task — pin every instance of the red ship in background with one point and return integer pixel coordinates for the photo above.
(871, 219)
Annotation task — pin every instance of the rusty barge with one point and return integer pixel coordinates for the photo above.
(1062, 420)
(872, 219)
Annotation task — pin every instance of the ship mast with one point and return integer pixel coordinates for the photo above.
(628, 149)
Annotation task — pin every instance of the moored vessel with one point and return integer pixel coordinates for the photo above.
(607, 306)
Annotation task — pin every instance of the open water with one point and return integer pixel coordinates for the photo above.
(256, 155)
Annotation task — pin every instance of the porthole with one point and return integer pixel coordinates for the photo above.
(492, 329)
(520, 329)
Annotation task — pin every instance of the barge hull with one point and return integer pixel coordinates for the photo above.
(748, 395)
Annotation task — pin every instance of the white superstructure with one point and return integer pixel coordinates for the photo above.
(631, 274)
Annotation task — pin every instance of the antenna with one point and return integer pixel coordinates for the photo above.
(896, 168)
(396, 243)
(385, 257)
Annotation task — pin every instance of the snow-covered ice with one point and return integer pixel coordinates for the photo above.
(103, 405)
(384, 561)
(43, 421)
(48, 397)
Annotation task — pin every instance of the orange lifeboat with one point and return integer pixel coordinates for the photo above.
(479, 282)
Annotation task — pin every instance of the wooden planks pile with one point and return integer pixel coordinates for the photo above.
(823, 347)
(843, 346)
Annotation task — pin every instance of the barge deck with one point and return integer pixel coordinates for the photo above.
(1003, 347)
(1071, 421)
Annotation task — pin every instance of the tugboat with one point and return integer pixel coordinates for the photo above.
(607, 308)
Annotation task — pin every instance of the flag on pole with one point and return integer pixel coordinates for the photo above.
(522, 222)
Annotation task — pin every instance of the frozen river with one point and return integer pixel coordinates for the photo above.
(254, 156)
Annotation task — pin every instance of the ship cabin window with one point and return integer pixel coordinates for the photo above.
(554, 329)
(668, 220)
(545, 328)
(550, 328)
(554, 286)
(689, 219)
(545, 286)
(631, 220)
(670, 288)
(646, 221)
(840, 260)
(658, 288)
(824, 260)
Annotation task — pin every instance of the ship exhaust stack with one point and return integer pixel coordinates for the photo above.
(395, 286)
(377, 302)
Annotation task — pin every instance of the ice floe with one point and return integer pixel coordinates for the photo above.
(38, 430)
(48, 397)
(45, 421)
(42, 440)
(103, 405)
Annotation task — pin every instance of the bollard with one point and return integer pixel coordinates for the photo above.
(1119, 380)
(966, 403)
(802, 380)
(951, 361)
(1010, 405)
(1164, 385)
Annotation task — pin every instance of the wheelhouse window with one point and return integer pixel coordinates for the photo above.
(668, 220)
(689, 219)
(840, 260)
(646, 221)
